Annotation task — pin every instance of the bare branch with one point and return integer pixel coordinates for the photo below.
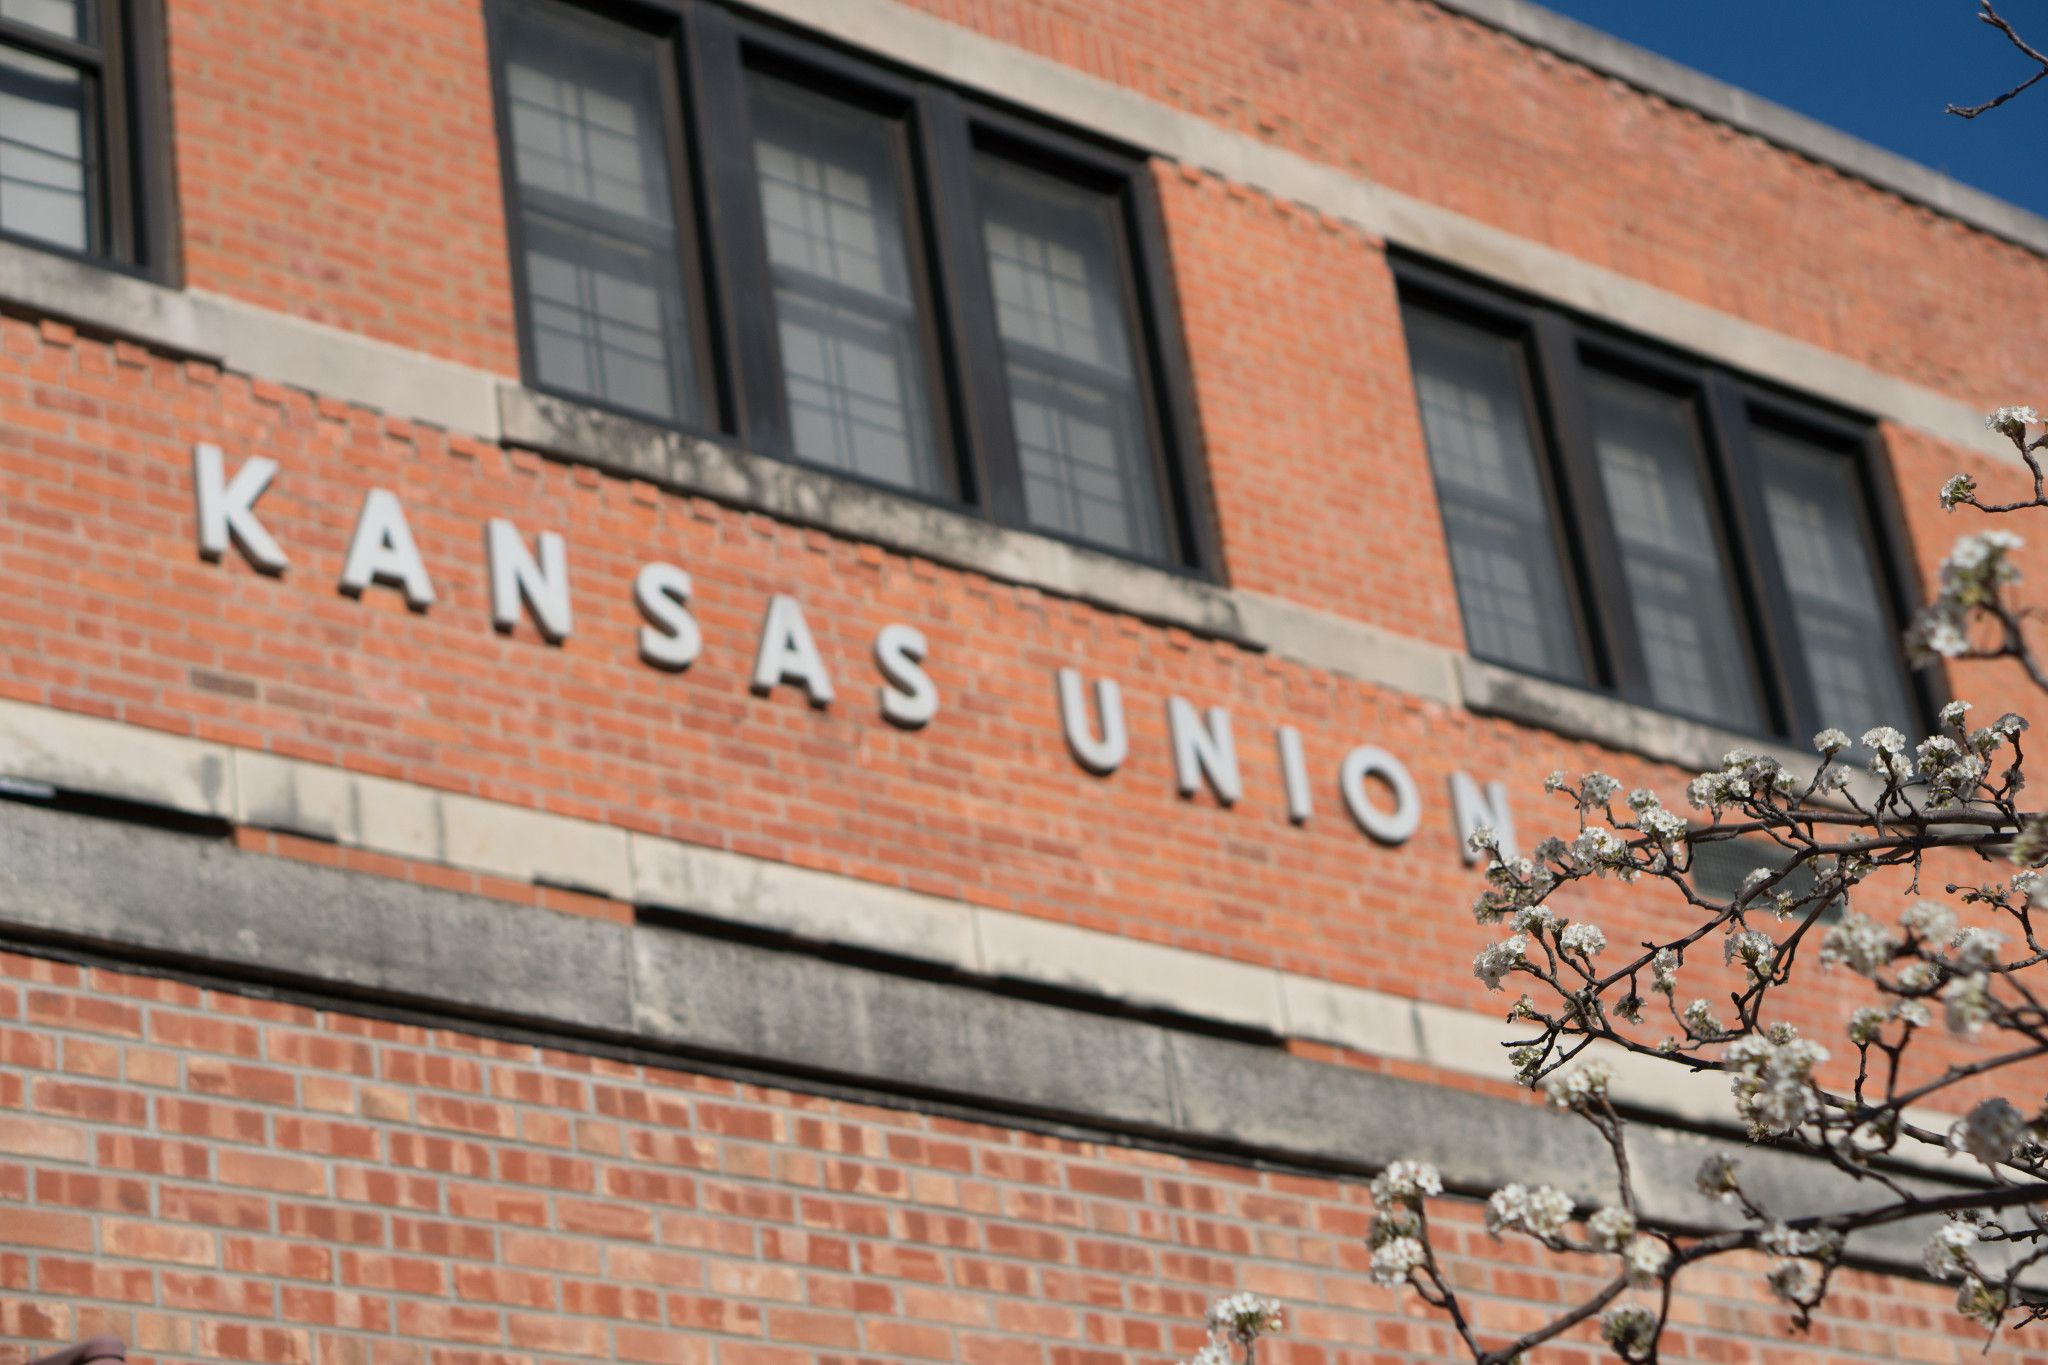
(1986, 14)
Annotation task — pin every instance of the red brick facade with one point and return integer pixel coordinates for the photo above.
(216, 1176)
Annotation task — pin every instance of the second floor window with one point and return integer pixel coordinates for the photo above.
(726, 229)
(84, 165)
(1627, 520)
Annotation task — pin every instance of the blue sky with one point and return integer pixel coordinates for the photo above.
(1880, 69)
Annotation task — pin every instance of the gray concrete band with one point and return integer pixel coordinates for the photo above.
(157, 897)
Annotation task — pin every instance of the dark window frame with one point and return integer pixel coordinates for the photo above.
(131, 214)
(942, 130)
(1561, 350)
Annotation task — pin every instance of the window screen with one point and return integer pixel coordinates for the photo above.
(606, 312)
(1819, 526)
(1472, 388)
(833, 205)
(1679, 585)
(1076, 403)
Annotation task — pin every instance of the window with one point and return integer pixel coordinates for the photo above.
(727, 229)
(83, 163)
(1635, 522)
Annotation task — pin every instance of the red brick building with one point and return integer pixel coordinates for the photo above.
(742, 685)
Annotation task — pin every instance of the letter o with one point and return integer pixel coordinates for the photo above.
(1388, 827)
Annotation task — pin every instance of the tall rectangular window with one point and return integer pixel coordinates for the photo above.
(1823, 537)
(83, 161)
(1648, 526)
(1678, 578)
(1076, 410)
(607, 313)
(726, 227)
(834, 203)
(1473, 390)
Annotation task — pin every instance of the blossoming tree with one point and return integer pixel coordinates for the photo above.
(1867, 826)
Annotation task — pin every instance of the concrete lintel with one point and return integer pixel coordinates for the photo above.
(337, 364)
(201, 904)
(86, 755)
(806, 904)
(73, 752)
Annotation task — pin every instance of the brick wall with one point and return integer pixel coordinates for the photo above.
(218, 1177)
(332, 168)
(111, 612)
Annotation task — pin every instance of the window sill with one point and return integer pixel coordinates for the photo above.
(806, 496)
(1492, 690)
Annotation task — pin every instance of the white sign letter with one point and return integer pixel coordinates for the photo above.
(514, 574)
(670, 639)
(910, 700)
(1474, 811)
(228, 507)
(788, 654)
(1098, 756)
(1389, 827)
(382, 551)
(1200, 751)
(1294, 775)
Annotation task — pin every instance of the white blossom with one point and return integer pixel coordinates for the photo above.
(1392, 1260)
(2012, 423)
(1980, 1303)
(1753, 950)
(1405, 1182)
(1645, 1260)
(1596, 789)
(1771, 1077)
(1583, 938)
(1213, 1352)
(1786, 1241)
(1664, 971)
(1967, 1001)
(1946, 1254)
(1793, 1281)
(1867, 1023)
(1661, 825)
(1716, 1178)
(1243, 1318)
(1830, 742)
(1952, 714)
(1587, 1083)
(1859, 943)
(1599, 848)
(1610, 1228)
(1629, 1328)
(1497, 960)
(1929, 919)
(1974, 950)
(1699, 1017)
(1540, 1212)
(1988, 1132)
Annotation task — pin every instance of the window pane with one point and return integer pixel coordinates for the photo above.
(1646, 442)
(66, 18)
(607, 313)
(45, 172)
(1076, 404)
(1471, 386)
(853, 351)
(1852, 649)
